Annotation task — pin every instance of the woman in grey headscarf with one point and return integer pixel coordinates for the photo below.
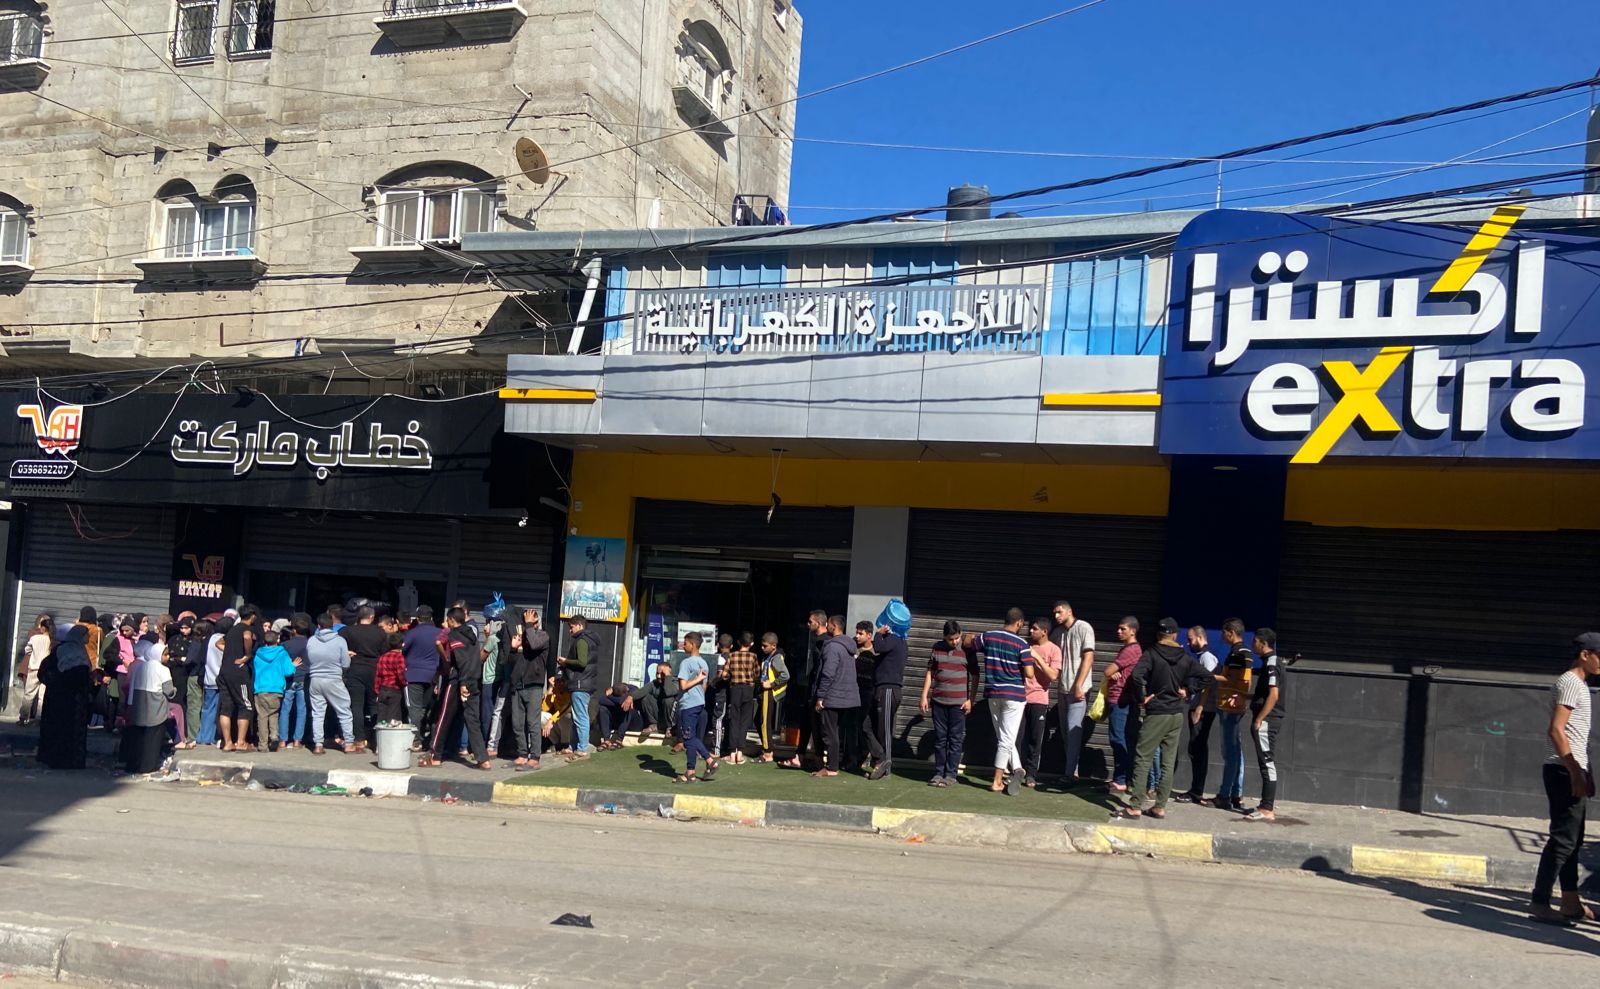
(150, 693)
(64, 723)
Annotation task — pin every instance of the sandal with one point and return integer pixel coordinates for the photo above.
(1157, 813)
(1582, 913)
(712, 765)
(793, 762)
(1260, 815)
(1132, 812)
(485, 765)
(1548, 915)
(681, 778)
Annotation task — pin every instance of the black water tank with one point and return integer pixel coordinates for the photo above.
(967, 202)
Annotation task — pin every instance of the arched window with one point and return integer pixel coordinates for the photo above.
(215, 226)
(705, 66)
(21, 31)
(435, 203)
(13, 231)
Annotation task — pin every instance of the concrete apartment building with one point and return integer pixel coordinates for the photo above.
(249, 178)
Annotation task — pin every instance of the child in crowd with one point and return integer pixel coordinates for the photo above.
(390, 680)
(273, 668)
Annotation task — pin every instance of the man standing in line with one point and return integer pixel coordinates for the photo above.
(292, 719)
(367, 641)
(530, 667)
(811, 724)
(1569, 784)
(465, 656)
(236, 678)
(1006, 667)
(1075, 638)
(1163, 675)
(422, 669)
(692, 676)
(1047, 664)
(1202, 713)
(741, 671)
(1233, 700)
(888, 680)
(1266, 715)
(581, 665)
(836, 693)
(1119, 701)
(327, 655)
(773, 684)
(948, 689)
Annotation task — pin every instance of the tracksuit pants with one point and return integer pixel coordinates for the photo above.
(770, 712)
(880, 740)
(1035, 726)
(1266, 743)
(1560, 856)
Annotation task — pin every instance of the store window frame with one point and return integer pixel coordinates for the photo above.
(194, 36)
(250, 28)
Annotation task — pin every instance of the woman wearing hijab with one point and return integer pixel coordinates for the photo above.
(150, 694)
(64, 724)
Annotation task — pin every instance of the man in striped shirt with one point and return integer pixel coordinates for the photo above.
(947, 691)
(1006, 665)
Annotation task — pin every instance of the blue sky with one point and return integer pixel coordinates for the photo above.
(1175, 77)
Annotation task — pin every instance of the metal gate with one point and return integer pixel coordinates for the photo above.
(505, 558)
(349, 546)
(117, 558)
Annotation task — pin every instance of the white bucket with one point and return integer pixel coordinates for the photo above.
(394, 745)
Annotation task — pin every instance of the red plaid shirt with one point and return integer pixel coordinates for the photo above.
(391, 670)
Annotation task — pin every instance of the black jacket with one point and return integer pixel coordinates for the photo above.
(582, 666)
(466, 657)
(1161, 672)
(530, 665)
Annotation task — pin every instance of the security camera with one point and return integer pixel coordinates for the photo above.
(522, 523)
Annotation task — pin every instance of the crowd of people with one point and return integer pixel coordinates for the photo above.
(464, 686)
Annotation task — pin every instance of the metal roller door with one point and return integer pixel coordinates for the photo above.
(973, 566)
(348, 546)
(117, 558)
(678, 523)
(505, 558)
(1509, 601)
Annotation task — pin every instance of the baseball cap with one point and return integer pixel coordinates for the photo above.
(1167, 626)
(1589, 641)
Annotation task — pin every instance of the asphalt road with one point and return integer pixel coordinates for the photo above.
(474, 890)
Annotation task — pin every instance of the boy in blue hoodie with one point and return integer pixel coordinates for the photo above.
(273, 669)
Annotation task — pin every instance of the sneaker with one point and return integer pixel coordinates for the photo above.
(1013, 784)
(1031, 783)
(880, 772)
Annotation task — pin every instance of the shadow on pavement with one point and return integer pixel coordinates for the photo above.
(1489, 910)
(35, 794)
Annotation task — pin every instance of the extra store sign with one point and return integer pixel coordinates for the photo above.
(1309, 337)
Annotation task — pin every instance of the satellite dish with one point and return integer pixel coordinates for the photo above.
(535, 164)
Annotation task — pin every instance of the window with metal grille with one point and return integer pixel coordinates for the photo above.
(401, 7)
(13, 236)
(407, 217)
(250, 31)
(21, 36)
(194, 37)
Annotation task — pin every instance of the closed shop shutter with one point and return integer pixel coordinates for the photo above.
(689, 523)
(116, 558)
(972, 566)
(505, 558)
(348, 546)
(1509, 601)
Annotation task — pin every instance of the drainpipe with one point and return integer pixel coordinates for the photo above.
(591, 269)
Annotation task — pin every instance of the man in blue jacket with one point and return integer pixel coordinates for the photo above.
(836, 691)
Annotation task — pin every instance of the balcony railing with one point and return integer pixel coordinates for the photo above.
(21, 49)
(417, 23)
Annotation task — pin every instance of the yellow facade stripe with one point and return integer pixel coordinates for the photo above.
(1481, 245)
(1193, 845)
(1106, 400)
(548, 394)
(534, 796)
(719, 808)
(1436, 866)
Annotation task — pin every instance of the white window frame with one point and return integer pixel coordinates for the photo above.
(245, 15)
(21, 36)
(397, 229)
(237, 216)
(191, 55)
(13, 224)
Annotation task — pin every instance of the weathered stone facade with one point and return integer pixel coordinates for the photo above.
(345, 99)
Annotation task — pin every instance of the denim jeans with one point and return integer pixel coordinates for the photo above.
(580, 720)
(1121, 758)
(208, 719)
(1232, 785)
(950, 732)
(692, 730)
(292, 716)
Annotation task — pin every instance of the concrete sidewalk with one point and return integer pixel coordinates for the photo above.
(1479, 851)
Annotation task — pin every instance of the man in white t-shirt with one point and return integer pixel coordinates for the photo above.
(1569, 785)
(1075, 638)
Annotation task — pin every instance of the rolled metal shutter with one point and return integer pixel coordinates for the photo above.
(1509, 601)
(972, 566)
(117, 558)
(348, 546)
(505, 558)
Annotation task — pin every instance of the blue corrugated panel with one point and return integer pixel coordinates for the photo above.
(617, 303)
(903, 262)
(1097, 307)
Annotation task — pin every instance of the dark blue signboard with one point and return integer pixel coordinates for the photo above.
(1308, 337)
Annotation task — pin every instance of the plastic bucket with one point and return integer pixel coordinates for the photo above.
(394, 746)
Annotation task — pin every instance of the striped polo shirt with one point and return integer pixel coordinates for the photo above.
(951, 668)
(1002, 664)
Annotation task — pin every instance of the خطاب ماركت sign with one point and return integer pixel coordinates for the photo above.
(1309, 337)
